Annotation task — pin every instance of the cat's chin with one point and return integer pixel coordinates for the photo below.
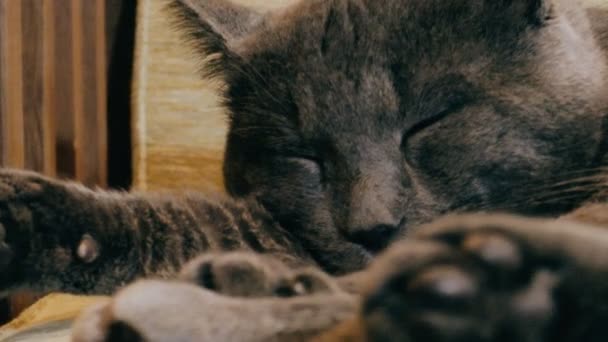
(370, 250)
(362, 254)
(377, 243)
(350, 257)
(377, 238)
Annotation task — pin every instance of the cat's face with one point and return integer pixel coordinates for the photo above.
(354, 121)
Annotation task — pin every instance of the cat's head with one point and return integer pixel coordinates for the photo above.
(354, 120)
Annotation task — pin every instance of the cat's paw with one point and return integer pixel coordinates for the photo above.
(97, 324)
(490, 278)
(21, 193)
(168, 311)
(245, 274)
(41, 235)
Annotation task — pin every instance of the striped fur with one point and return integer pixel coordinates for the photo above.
(572, 256)
(137, 235)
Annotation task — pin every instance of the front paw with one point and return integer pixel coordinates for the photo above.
(246, 274)
(491, 278)
(19, 191)
(36, 237)
(168, 311)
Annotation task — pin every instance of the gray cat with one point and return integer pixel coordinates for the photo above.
(351, 123)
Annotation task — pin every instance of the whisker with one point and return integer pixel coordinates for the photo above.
(590, 180)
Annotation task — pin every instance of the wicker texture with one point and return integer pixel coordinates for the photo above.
(179, 125)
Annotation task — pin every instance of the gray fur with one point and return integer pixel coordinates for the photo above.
(351, 123)
(354, 121)
(462, 278)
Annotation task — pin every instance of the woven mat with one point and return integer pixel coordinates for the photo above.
(179, 125)
(35, 322)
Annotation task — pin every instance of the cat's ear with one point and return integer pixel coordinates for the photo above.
(215, 27)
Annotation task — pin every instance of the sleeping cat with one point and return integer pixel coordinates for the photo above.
(351, 123)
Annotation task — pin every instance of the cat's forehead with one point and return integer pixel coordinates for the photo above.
(332, 100)
(346, 58)
(350, 64)
(364, 39)
(370, 27)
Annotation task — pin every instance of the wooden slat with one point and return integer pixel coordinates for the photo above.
(49, 116)
(12, 66)
(101, 73)
(32, 74)
(79, 91)
(3, 305)
(90, 117)
(64, 88)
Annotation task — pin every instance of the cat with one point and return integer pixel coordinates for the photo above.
(551, 274)
(186, 310)
(351, 123)
(461, 278)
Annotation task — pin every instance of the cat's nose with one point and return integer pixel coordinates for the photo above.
(375, 238)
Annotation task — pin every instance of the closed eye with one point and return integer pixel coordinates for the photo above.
(309, 164)
(430, 120)
(447, 95)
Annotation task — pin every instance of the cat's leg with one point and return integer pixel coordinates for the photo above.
(246, 274)
(591, 213)
(491, 278)
(159, 311)
(211, 311)
(58, 235)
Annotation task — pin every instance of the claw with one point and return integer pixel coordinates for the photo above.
(494, 249)
(88, 249)
(536, 303)
(6, 255)
(446, 281)
(6, 191)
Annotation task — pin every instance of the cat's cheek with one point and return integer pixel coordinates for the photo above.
(291, 187)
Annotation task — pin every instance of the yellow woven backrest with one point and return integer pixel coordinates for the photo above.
(178, 126)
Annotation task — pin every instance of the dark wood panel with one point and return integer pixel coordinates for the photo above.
(120, 40)
(90, 120)
(53, 93)
(64, 89)
(78, 86)
(2, 100)
(32, 57)
(54, 59)
(12, 117)
(101, 70)
(49, 117)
